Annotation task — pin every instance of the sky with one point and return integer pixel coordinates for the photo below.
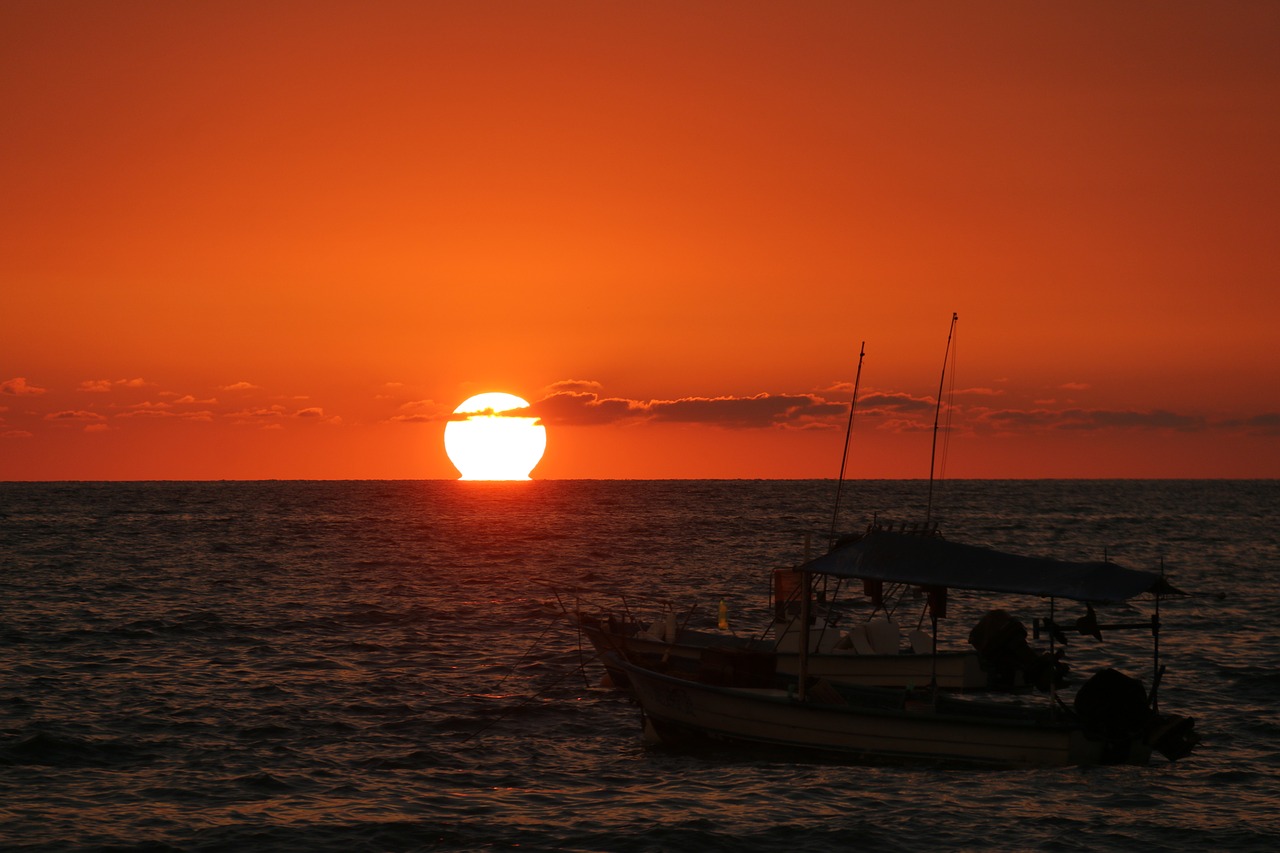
(246, 240)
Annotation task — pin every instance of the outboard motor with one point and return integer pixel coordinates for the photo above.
(1113, 704)
(1113, 709)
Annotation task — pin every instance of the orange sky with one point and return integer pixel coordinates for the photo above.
(286, 239)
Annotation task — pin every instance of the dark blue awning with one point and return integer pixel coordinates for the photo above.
(934, 561)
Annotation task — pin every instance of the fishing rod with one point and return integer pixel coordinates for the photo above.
(844, 460)
(928, 513)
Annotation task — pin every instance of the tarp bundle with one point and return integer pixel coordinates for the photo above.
(933, 561)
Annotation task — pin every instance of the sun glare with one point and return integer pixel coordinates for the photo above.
(488, 445)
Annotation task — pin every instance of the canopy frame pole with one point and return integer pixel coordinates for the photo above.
(806, 585)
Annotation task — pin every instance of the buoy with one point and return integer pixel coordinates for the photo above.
(724, 616)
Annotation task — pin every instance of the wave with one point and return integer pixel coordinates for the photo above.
(60, 750)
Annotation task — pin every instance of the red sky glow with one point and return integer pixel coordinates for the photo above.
(287, 239)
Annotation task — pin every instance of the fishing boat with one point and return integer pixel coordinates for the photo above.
(1113, 718)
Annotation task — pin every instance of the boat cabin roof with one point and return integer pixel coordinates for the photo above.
(934, 561)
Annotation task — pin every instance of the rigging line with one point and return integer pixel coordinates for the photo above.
(577, 624)
(527, 652)
(829, 619)
(512, 709)
(844, 459)
(946, 356)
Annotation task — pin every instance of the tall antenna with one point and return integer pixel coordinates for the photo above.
(848, 433)
(933, 454)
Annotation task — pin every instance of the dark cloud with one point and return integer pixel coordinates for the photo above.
(520, 412)
(420, 412)
(149, 412)
(575, 386)
(762, 410)
(1013, 419)
(584, 408)
(577, 405)
(1266, 424)
(580, 403)
(1159, 419)
(81, 416)
(1100, 419)
(885, 403)
(1087, 419)
(259, 414)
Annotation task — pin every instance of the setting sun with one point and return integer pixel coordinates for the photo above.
(488, 445)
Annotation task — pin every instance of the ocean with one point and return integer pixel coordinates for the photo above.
(386, 666)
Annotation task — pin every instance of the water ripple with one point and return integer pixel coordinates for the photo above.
(383, 666)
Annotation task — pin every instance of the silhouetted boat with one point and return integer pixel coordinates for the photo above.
(1113, 720)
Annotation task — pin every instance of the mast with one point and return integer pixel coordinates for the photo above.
(844, 460)
(928, 513)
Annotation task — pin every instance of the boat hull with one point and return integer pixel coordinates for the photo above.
(867, 724)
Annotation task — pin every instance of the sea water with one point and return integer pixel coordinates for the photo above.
(387, 666)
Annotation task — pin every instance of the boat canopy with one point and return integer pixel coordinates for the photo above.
(934, 561)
